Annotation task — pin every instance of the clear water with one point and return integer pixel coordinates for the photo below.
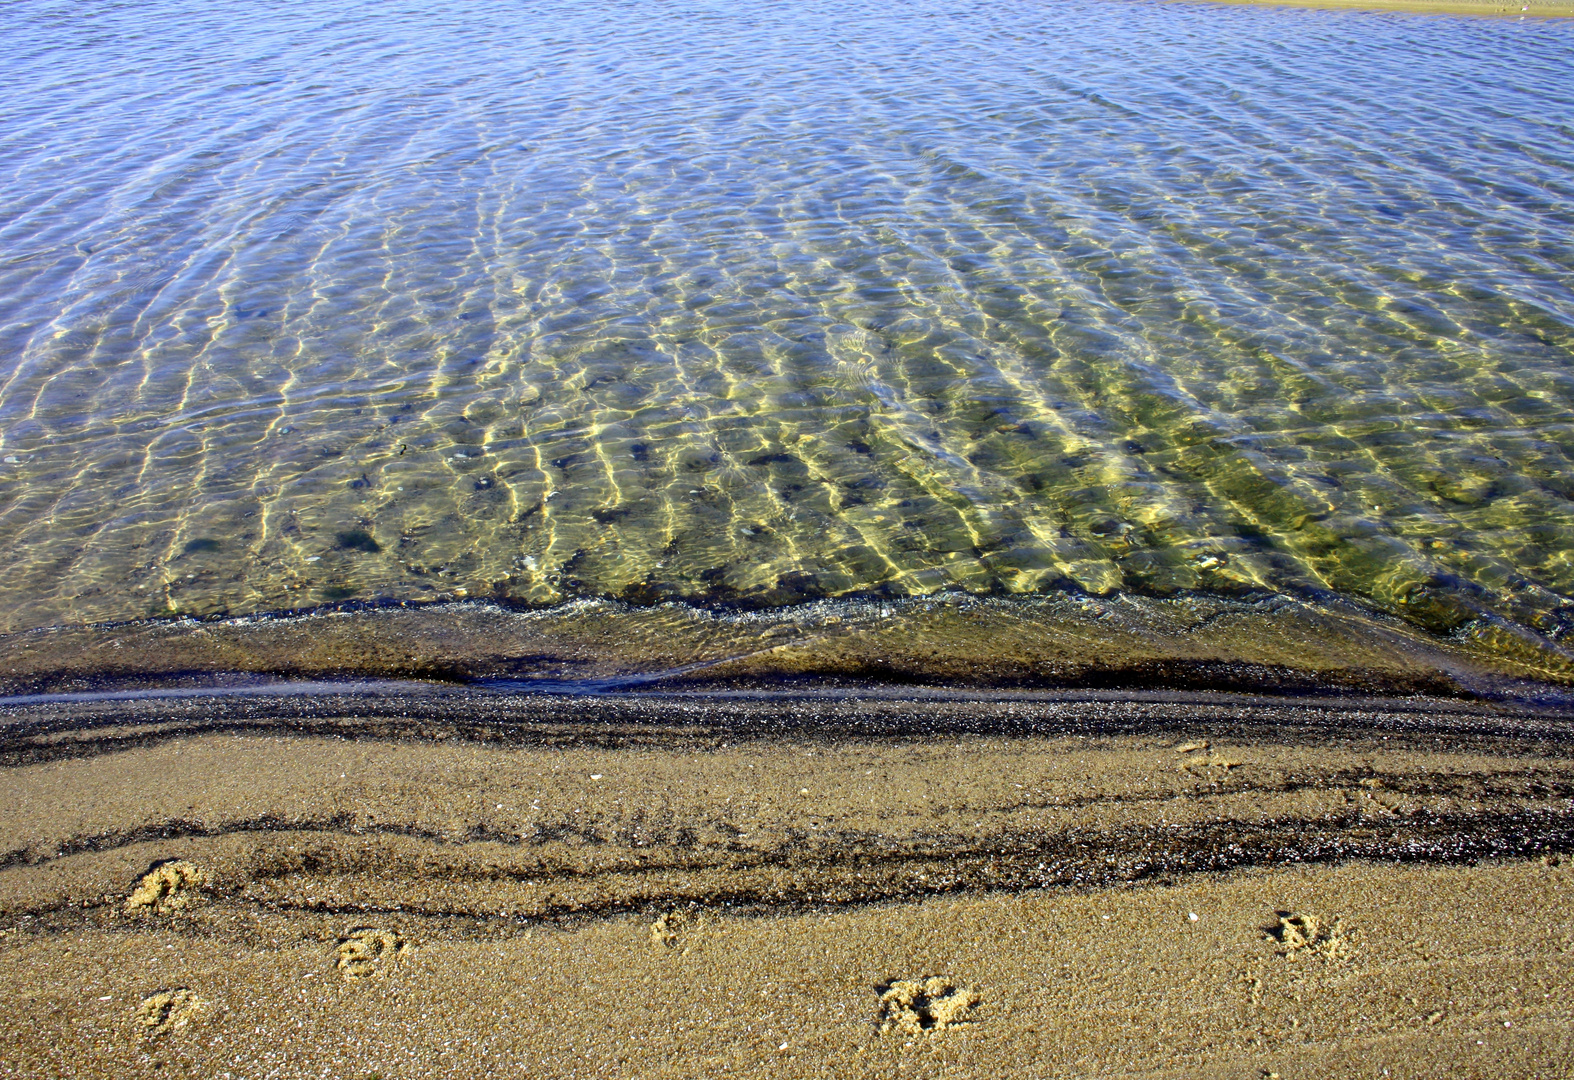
(770, 303)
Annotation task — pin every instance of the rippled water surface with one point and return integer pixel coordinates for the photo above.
(772, 303)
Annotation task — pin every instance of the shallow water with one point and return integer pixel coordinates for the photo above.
(780, 303)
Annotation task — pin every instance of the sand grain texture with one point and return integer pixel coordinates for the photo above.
(786, 888)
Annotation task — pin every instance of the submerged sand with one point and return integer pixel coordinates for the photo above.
(460, 884)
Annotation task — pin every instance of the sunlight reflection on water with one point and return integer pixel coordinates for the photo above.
(768, 305)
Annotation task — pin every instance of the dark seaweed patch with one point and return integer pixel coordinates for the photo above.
(356, 540)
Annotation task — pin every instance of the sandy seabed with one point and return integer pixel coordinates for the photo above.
(477, 885)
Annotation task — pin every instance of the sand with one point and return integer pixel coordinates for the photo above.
(1261, 643)
(450, 883)
(1424, 972)
(1530, 8)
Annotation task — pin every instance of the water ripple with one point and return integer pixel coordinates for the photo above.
(695, 302)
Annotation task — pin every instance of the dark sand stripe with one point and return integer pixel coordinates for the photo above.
(474, 804)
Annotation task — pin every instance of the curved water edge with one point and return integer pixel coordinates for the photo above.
(1199, 643)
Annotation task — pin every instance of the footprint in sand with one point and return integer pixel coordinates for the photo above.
(1200, 759)
(167, 1010)
(1302, 934)
(168, 886)
(916, 1006)
(676, 928)
(367, 951)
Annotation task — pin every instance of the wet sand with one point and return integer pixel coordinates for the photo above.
(450, 882)
(1258, 643)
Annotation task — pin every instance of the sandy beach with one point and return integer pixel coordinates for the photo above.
(455, 883)
(850, 540)
(1533, 8)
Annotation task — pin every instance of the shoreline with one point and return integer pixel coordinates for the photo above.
(1263, 643)
(654, 884)
(1486, 8)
